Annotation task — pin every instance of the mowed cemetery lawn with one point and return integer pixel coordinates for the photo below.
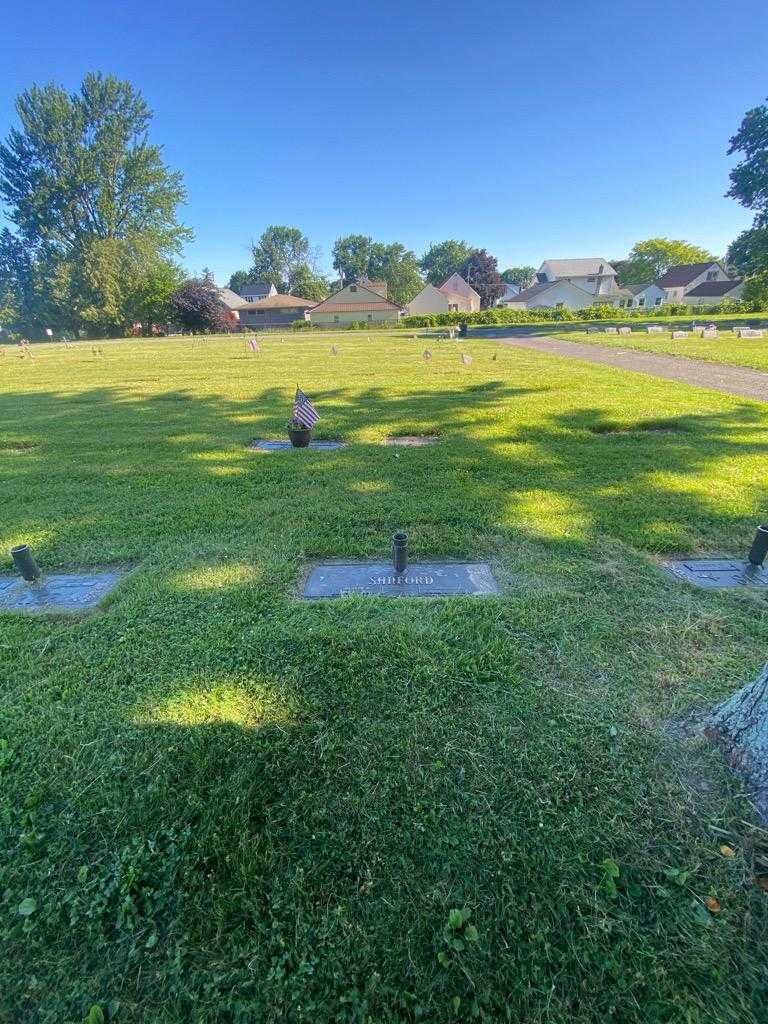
(726, 348)
(221, 803)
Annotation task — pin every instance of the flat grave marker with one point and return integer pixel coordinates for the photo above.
(412, 440)
(380, 579)
(271, 445)
(625, 330)
(63, 592)
(718, 573)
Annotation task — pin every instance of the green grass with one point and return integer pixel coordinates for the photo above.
(223, 804)
(726, 348)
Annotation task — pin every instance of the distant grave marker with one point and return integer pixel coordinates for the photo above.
(412, 440)
(654, 329)
(61, 592)
(625, 330)
(611, 330)
(677, 335)
(271, 445)
(717, 573)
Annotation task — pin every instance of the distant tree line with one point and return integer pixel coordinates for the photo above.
(95, 236)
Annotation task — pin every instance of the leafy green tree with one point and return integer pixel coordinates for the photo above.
(649, 259)
(482, 273)
(308, 285)
(397, 266)
(148, 299)
(92, 203)
(443, 259)
(523, 277)
(749, 178)
(239, 280)
(748, 254)
(351, 256)
(81, 168)
(280, 253)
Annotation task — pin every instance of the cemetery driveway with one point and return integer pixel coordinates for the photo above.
(732, 380)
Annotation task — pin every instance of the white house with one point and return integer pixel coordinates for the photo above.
(553, 295)
(453, 296)
(594, 275)
(680, 280)
(510, 292)
(644, 296)
(353, 303)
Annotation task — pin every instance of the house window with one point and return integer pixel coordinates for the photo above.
(259, 312)
(712, 275)
(453, 307)
(658, 301)
(335, 319)
(641, 301)
(370, 316)
(591, 280)
(559, 305)
(353, 287)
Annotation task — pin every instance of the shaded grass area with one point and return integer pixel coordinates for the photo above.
(726, 348)
(230, 805)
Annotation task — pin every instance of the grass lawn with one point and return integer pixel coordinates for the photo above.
(727, 348)
(223, 804)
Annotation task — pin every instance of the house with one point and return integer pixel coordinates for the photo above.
(679, 280)
(552, 295)
(509, 293)
(232, 301)
(456, 285)
(260, 290)
(274, 311)
(594, 275)
(353, 303)
(644, 296)
(712, 293)
(458, 298)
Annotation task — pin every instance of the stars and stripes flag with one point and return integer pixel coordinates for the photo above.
(467, 360)
(303, 411)
(426, 355)
(334, 350)
(254, 346)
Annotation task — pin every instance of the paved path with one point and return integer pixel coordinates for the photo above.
(733, 380)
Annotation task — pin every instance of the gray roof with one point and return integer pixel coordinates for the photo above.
(589, 267)
(684, 273)
(533, 291)
(230, 298)
(261, 288)
(635, 289)
(715, 288)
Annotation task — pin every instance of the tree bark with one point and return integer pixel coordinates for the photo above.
(739, 726)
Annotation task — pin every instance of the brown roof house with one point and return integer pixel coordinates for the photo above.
(274, 311)
(453, 296)
(360, 301)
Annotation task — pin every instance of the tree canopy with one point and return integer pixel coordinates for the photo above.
(197, 307)
(93, 206)
(482, 273)
(356, 257)
(523, 277)
(443, 259)
(749, 178)
(649, 259)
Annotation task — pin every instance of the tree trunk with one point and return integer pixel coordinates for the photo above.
(740, 728)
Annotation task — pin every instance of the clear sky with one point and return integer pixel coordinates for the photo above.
(535, 130)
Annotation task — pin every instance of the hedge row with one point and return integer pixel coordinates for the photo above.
(503, 316)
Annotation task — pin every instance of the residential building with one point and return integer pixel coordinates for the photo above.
(456, 285)
(594, 275)
(679, 280)
(508, 295)
(644, 296)
(552, 295)
(712, 293)
(232, 301)
(353, 303)
(458, 298)
(260, 290)
(274, 311)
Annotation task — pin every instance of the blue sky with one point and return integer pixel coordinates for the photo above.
(534, 130)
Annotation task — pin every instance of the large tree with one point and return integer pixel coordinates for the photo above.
(443, 259)
(308, 285)
(649, 259)
(523, 277)
(748, 254)
(280, 253)
(749, 178)
(482, 273)
(357, 257)
(197, 306)
(92, 203)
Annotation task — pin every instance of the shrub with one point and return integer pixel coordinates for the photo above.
(300, 325)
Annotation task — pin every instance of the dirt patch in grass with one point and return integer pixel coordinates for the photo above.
(413, 440)
(18, 447)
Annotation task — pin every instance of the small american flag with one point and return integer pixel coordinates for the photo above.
(254, 346)
(467, 360)
(303, 411)
(426, 355)
(334, 350)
